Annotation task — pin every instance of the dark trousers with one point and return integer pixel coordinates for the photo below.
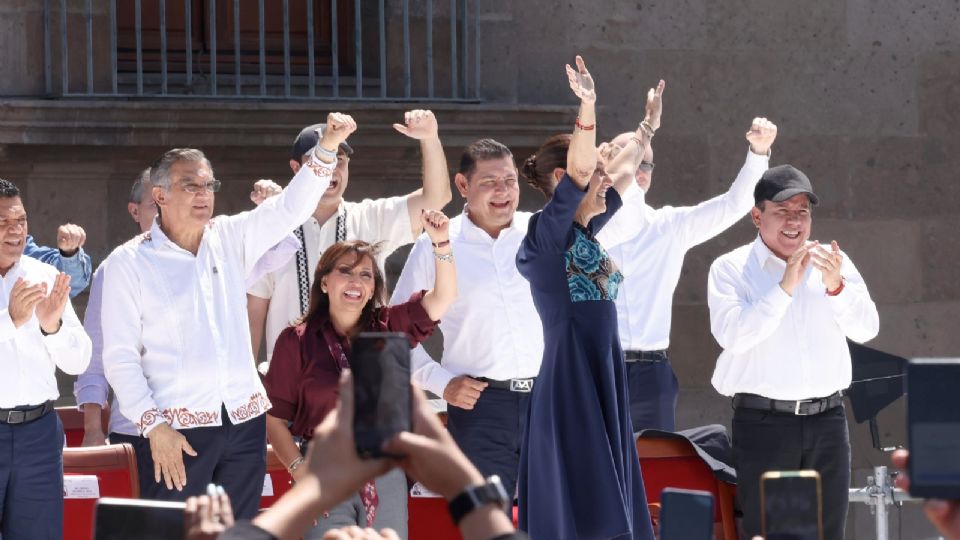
(771, 441)
(653, 391)
(232, 455)
(31, 479)
(491, 432)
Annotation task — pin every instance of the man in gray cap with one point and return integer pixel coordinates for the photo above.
(782, 308)
(283, 295)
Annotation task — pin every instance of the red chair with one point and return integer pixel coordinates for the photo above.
(72, 420)
(115, 467)
(279, 477)
(674, 463)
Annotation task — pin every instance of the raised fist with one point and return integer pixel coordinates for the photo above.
(436, 225)
(761, 135)
(70, 239)
(339, 127)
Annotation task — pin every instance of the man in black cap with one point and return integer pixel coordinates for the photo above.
(782, 308)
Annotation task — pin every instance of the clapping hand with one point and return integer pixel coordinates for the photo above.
(829, 264)
(49, 309)
(418, 124)
(796, 266)
(761, 135)
(581, 82)
(24, 298)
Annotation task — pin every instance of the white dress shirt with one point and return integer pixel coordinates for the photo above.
(492, 329)
(778, 346)
(28, 359)
(381, 220)
(649, 245)
(91, 386)
(175, 331)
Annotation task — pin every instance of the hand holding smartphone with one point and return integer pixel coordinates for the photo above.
(686, 515)
(933, 427)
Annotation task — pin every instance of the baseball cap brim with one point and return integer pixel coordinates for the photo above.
(787, 193)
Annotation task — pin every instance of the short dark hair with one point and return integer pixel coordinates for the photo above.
(8, 189)
(481, 150)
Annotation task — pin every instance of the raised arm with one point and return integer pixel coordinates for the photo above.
(582, 154)
(435, 193)
(257, 231)
(444, 292)
(697, 224)
(621, 164)
(67, 257)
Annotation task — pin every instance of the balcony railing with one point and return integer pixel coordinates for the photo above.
(378, 50)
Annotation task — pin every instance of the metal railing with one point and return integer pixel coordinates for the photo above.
(171, 49)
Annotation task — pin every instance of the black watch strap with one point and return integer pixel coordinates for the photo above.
(473, 497)
(59, 326)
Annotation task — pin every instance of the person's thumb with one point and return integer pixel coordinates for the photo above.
(188, 449)
(408, 444)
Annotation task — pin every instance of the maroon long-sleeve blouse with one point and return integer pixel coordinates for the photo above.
(303, 378)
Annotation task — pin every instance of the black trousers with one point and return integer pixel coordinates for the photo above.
(490, 434)
(771, 441)
(653, 391)
(231, 455)
(31, 479)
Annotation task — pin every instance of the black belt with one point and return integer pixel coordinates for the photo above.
(803, 407)
(513, 385)
(645, 356)
(23, 415)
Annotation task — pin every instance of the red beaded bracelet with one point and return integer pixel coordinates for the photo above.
(584, 127)
(838, 290)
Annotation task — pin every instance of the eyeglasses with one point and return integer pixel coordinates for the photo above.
(212, 186)
(646, 166)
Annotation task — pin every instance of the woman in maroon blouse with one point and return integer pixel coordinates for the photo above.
(347, 297)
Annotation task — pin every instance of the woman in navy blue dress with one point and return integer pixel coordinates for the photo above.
(579, 472)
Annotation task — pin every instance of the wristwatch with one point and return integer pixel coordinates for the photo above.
(476, 496)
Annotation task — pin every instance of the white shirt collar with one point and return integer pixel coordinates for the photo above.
(764, 255)
(471, 231)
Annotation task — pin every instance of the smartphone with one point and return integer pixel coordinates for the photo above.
(933, 427)
(686, 514)
(791, 505)
(122, 519)
(380, 363)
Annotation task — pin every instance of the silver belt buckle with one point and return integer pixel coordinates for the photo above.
(796, 409)
(20, 417)
(521, 385)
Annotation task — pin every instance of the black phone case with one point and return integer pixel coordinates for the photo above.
(380, 362)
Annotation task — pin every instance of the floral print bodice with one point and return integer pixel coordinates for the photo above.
(591, 273)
